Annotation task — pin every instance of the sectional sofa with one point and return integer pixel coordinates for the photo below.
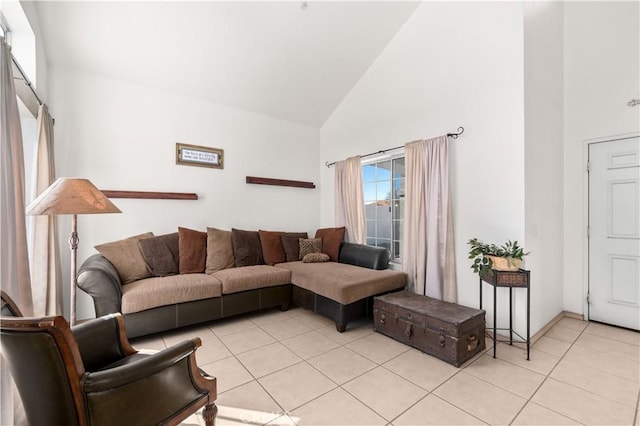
(218, 274)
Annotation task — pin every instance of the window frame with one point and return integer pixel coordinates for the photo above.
(396, 206)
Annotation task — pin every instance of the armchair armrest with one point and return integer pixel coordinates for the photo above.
(161, 388)
(99, 278)
(102, 341)
(144, 367)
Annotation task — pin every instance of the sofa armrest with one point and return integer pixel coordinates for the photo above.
(99, 278)
(365, 256)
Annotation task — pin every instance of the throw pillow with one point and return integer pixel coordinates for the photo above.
(331, 240)
(161, 254)
(315, 258)
(247, 250)
(219, 250)
(126, 257)
(193, 251)
(312, 245)
(272, 249)
(291, 245)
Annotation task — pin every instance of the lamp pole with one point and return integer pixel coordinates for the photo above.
(73, 246)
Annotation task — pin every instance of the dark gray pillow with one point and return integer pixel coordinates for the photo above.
(291, 244)
(247, 249)
(161, 254)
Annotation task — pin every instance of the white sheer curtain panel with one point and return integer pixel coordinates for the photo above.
(46, 276)
(428, 252)
(14, 257)
(349, 199)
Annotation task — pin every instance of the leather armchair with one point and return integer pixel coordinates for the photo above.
(8, 307)
(93, 376)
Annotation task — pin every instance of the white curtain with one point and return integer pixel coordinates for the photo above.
(14, 258)
(349, 199)
(45, 256)
(428, 252)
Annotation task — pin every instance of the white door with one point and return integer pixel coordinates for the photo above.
(614, 232)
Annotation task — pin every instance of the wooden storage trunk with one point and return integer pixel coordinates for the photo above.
(445, 330)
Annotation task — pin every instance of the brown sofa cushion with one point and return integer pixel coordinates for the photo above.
(310, 245)
(331, 240)
(252, 277)
(291, 245)
(160, 291)
(193, 251)
(341, 282)
(272, 249)
(247, 250)
(161, 254)
(126, 257)
(219, 250)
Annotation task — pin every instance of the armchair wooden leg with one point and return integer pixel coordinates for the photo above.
(209, 414)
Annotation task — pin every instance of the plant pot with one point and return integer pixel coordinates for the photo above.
(504, 263)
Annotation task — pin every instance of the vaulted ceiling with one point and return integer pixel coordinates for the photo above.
(290, 60)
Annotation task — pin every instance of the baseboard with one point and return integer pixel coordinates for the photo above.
(574, 316)
(548, 326)
(554, 321)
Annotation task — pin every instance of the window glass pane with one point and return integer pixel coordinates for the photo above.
(368, 173)
(371, 241)
(396, 250)
(383, 223)
(384, 190)
(369, 192)
(397, 230)
(398, 208)
(384, 243)
(383, 170)
(398, 188)
(371, 228)
(398, 168)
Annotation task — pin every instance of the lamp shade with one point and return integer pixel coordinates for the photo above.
(71, 196)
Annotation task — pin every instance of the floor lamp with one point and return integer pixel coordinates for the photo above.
(72, 196)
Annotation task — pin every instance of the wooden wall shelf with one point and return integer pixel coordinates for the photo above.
(151, 195)
(280, 182)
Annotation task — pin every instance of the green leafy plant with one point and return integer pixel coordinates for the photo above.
(481, 252)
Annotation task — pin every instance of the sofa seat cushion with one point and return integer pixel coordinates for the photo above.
(160, 291)
(341, 282)
(253, 277)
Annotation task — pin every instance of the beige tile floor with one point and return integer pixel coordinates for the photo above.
(290, 368)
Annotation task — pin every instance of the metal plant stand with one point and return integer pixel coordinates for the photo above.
(511, 279)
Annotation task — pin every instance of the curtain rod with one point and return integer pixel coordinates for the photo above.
(26, 80)
(449, 135)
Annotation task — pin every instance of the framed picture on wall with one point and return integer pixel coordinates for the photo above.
(201, 156)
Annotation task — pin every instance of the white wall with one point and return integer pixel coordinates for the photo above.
(602, 65)
(122, 137)
(452, 64)
(544, 126)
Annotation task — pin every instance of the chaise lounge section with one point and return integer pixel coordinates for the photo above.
(344, 291)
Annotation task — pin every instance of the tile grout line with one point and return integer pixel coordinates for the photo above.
(574, 343)
(547, 376)
(337, 385)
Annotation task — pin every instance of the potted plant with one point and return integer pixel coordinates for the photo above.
(506, 257)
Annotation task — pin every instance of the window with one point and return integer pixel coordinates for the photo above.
(383, 184)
